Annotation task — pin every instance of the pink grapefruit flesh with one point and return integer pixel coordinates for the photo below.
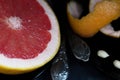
(24, 28)
(29, 35)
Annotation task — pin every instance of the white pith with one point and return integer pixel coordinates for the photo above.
(14, 22)
(75, 9)
(108, 29)
(46, 55)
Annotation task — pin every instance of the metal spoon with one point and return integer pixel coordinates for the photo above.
(79, 47)
(60, 68)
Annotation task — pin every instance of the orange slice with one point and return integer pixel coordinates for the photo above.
(104, 12)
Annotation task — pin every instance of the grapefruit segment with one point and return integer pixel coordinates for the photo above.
(29, 35)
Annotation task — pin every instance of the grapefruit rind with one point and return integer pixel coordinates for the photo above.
(19, 66)
(104, 12)
(108, 29)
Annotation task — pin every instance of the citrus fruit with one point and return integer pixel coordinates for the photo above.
(108, 29)
(29, 35)
(104, 12)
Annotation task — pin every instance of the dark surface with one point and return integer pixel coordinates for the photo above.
(95, 69)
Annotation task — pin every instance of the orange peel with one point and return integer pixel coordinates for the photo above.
(104, 12)
(108, 29)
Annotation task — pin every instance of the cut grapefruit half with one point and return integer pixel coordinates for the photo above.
(29, 35)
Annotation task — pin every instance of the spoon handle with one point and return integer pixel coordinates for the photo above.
(78, 46)
(60, 67)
